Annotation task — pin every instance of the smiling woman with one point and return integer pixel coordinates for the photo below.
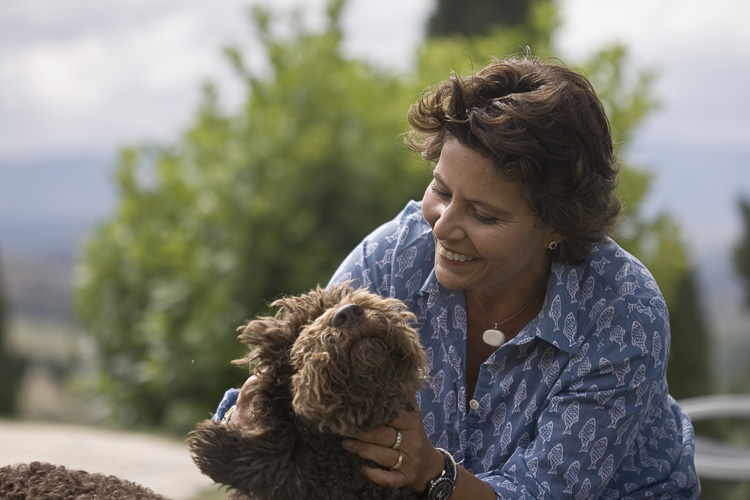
(570, 398)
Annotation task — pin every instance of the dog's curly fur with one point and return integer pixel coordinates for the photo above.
(45, 481)
(318, 380)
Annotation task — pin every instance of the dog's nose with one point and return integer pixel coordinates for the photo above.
(348, 316)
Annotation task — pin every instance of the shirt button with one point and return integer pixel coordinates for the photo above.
(474, 404)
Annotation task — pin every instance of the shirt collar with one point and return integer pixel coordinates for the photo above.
(556, 323)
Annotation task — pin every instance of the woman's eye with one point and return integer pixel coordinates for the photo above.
(485, 220)
(438, 192)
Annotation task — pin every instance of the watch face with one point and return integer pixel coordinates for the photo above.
(441, 489)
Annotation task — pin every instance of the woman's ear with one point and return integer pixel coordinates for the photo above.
(553, 239)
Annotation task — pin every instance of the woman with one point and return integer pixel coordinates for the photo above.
(547, 342)
(570, 400)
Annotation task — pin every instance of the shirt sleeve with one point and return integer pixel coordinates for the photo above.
(380, 261)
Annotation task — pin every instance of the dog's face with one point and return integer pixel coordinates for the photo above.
(357, 364)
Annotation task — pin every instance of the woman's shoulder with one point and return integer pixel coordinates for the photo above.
(610, 288)
(611, 306)
(619, 271)
(395, 251)
(407, 229)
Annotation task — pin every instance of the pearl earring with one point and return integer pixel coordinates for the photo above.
(552, 245)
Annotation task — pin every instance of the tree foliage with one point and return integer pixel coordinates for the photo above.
(472, 17)
(11, 366)
(687, 370)
(247, 205)
(742, 249)
(268, 198)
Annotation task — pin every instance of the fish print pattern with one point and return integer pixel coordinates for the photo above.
(576, 405)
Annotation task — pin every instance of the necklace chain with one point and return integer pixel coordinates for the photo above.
(479, 301)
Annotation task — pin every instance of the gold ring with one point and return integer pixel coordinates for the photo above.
(399, 437)
(398, 464)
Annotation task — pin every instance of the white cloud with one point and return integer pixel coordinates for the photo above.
(100, 80)
(699, 50)
(657, 30)
(83, 73)
(386, 32)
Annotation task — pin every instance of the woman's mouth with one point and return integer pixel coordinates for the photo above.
(454, 256)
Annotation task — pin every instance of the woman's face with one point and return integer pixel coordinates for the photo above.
(486, 235)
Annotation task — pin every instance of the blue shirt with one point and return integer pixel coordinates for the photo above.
(576, 405)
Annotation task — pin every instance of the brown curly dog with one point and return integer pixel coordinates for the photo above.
(44, 481)
(330, 363)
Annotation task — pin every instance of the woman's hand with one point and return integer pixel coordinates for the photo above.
(242, 413)
(412, 465)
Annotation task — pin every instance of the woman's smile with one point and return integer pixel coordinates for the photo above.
(453, 256)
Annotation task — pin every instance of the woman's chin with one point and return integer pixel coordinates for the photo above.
(452, 278)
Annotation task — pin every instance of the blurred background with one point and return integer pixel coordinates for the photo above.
(169, 167)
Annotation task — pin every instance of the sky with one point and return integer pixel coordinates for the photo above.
(81, 78)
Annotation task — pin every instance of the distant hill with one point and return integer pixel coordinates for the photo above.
(47, 205)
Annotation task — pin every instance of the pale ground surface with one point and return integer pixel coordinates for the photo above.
(153, 461)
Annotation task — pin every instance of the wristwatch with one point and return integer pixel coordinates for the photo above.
(443, 485)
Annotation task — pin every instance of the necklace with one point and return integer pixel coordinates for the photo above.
(493, 336)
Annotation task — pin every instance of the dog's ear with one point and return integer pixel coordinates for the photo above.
(260, 464)
(267, 338)
(270, 338)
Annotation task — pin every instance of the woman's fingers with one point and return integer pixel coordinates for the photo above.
(378, 453)
(242, 414)
(383, 436)
(396, 447)
(383, 477)
(395, 463)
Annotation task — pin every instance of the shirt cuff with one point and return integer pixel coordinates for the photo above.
(229, 400)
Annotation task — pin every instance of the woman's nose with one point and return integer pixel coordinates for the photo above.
(448, 225)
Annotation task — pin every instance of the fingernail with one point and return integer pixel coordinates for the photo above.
(347, 444)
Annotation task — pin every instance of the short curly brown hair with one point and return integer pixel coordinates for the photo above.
(542, 125)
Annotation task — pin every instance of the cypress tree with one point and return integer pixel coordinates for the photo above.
(742, 250)
(476, 17)
(10, 366)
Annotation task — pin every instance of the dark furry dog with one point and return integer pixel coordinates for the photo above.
(44, 481)
(331, 363)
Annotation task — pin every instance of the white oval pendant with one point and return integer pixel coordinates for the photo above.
(493, 337)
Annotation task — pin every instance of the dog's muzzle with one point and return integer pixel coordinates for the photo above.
(348, 316)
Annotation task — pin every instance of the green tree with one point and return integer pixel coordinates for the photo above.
(688, 366)
(476, 17)
(742, 249)
(244, 207)
(268, 199)
(10, 365)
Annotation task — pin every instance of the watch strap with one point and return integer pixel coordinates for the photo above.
(442, 486)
